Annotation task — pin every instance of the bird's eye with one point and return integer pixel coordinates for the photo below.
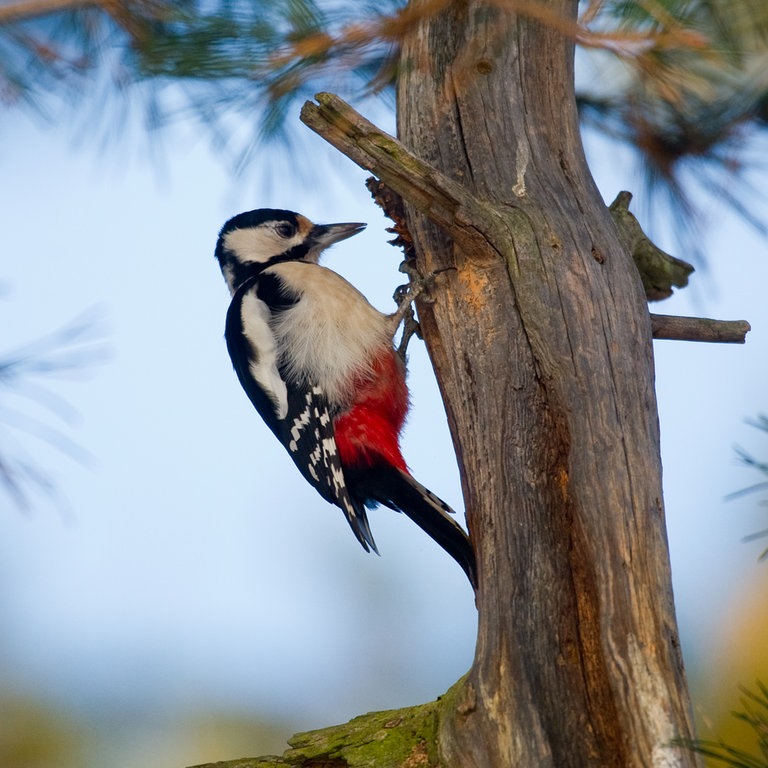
(285, 229)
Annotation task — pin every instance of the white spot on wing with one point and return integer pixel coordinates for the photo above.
(299, 424)
(310, 432)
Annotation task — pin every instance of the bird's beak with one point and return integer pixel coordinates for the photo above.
(323, 235)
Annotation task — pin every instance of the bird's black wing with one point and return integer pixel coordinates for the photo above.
(309, 437)
(298, 413)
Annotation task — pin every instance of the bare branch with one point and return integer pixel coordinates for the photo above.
(699, 329)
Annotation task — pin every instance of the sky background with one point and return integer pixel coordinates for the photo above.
(183, 565)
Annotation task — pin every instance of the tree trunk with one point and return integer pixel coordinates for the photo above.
(541, 342)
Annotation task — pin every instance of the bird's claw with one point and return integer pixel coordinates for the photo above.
(404, 297)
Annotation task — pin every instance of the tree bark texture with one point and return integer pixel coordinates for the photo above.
(541, 341)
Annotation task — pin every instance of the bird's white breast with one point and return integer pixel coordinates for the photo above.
(331, 334)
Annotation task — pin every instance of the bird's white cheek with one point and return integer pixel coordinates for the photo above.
(258, 244)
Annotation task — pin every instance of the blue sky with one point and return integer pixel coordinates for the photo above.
(186, 563)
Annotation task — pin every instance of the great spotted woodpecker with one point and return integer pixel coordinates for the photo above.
(317, 362)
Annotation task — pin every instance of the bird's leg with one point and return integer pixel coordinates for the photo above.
(411, 328)
(404, 297)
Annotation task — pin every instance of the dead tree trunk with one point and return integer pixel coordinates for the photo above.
(542, 345)
(541, 342)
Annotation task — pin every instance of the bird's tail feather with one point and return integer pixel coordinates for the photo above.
(354, 511)
(399, 490)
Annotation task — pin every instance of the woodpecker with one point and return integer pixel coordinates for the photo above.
(317, 361)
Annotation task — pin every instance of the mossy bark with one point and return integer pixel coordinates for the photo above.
(659, 271)
(401, 738)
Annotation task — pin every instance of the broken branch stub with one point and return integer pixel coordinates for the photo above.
(467, 220)
(658, 270)
(679, 328)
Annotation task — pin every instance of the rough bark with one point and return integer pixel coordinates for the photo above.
(541, 342)
(577, 661)
(542, 345)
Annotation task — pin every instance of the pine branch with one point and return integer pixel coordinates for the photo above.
(30, 9)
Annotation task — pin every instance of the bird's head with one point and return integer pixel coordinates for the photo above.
(251, 241)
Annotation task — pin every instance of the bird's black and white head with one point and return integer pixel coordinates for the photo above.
(252, 241)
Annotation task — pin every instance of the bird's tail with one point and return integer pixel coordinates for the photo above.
(399, 490)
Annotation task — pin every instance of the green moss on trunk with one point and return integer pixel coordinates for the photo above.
(396, 738)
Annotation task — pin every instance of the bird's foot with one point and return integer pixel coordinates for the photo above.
(404, 297)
